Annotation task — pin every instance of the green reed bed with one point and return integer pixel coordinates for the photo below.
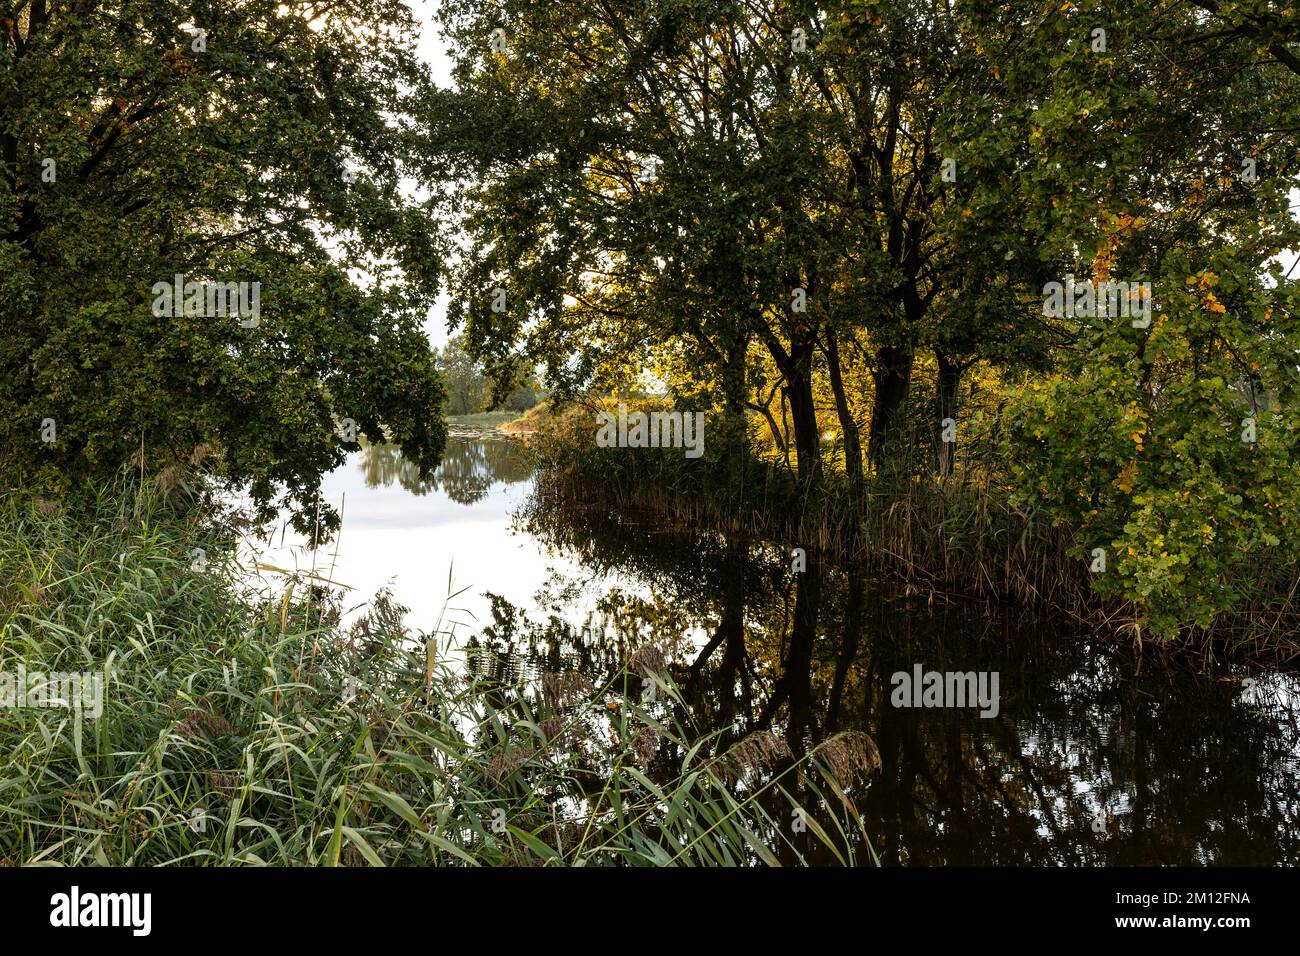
(960, 534)
(950, 534)
(242, 724)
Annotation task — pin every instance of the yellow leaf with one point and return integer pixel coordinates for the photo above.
(1127, 478)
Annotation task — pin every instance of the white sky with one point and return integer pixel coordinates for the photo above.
(431, 48)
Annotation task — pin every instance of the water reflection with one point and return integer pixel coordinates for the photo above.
(469, 469)
(1095, 756)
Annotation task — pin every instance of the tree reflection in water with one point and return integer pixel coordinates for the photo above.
(1091, 760)
(470, 466)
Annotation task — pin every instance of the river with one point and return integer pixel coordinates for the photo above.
(1087, 754)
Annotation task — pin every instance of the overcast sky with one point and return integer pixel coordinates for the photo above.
(431, 49)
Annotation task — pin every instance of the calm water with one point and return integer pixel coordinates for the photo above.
(1095, 756)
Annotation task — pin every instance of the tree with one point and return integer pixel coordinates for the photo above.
(744, 188)
(617, 210)
(746, 175)
(1165, 441)
(261, 143)
(467, 389)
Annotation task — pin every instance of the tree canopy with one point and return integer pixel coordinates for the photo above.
(855, 208)
(151, 143)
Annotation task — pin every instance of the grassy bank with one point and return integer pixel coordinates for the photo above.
(962, 535)
(965, 537)
(241, 724)
(483, 421)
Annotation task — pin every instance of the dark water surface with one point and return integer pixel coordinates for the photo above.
(1095, 756)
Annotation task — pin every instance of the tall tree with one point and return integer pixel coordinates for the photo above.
(745, 173)
(1165, 439)
(625, 200)
(467, 389)
(261, 143)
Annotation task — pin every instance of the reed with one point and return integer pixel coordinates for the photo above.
(244, 724)
(962, 534)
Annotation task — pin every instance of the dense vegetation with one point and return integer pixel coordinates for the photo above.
(841, 221)
(830, 228)
(244, 725)
(260, 143)
(833, 226)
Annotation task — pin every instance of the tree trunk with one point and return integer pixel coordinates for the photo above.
(893, 378)
(733, 380)
(945, 452)
(807, 441)
(733, 424)
(852, 442)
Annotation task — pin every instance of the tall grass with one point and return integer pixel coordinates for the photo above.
(962, 534)
(956, 535)
(242, 724)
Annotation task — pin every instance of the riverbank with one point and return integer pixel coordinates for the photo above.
(482, 421)
(962, 536)
(200, 717)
